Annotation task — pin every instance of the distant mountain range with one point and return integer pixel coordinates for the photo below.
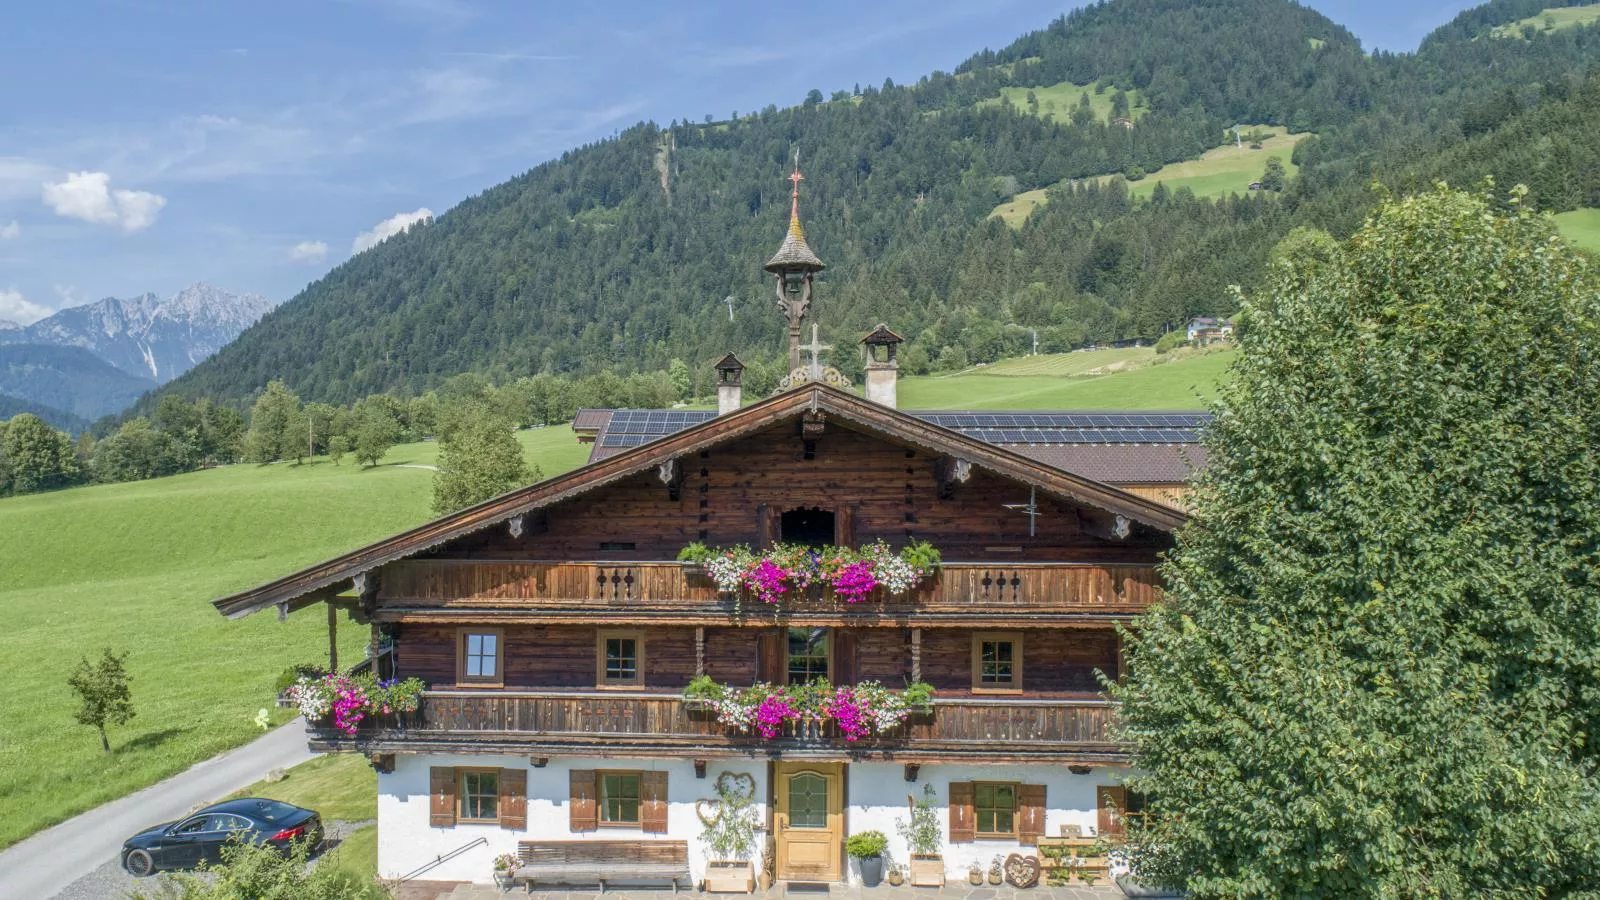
(96, 359)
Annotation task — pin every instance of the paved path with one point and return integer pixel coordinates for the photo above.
(42, 866)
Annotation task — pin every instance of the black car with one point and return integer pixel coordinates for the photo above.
(198, 837)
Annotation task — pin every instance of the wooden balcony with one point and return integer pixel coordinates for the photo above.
(656, 591)
(639, 724)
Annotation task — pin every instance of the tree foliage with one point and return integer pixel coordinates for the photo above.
(479, 460)
(105, 695)
(36, 457)
(1376, 674)
(260, 872)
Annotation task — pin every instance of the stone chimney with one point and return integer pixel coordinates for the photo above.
(882, 369)
(730, 394)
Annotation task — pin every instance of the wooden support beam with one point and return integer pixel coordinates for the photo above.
(372, 649)
(333, 638)
(699, 650)
(916, 654)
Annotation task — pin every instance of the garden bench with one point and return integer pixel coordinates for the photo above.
(583, 862)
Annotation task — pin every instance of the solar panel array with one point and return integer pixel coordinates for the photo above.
(633, 427)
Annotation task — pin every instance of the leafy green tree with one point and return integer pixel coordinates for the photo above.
(39, 457)
(1375, 673)
(376, 431)
(338, 446)
(138, 451)
(1171, 341)
(105, 696)
(1119, 104)
(682, 381)
(277, 426)
(224, 432)
(1272, 176)
(260, 872)
(481, 459)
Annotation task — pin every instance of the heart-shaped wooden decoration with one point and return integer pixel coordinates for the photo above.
(1022, 871)
(709, 811)
(737, 785)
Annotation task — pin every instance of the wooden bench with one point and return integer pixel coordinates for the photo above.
(584, 862)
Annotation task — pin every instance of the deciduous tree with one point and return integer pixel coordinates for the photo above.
(1376, 673)
(480, 459)
(104, 695)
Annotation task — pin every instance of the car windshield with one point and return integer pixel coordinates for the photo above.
(274, 812)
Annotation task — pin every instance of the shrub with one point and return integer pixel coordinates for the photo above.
(867, 844)
(1170, 341)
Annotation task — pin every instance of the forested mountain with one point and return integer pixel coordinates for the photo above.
(619, 254)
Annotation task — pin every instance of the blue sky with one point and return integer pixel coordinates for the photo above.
(149, 144)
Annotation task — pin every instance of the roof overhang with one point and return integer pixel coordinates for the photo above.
(860, 413)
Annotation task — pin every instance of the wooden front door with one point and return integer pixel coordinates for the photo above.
(809, 821)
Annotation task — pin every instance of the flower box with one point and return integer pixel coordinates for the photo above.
(730, 877)
(927, 870)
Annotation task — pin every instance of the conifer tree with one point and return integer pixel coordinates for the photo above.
(1376, 673)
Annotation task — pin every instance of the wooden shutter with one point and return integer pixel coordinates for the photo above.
(653, 802)
(766, 527)
(514, 798)
(770, 652)
(844, 527)
(1111, 802)
(442, 796)
(1030, 814)
(582, 815)
(845, 669)
(963, 819)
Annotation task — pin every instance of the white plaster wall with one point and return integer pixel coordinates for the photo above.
(878, 794)
(406, 840)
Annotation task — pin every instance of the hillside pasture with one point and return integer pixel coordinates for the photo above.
(135, 566)
(1550, 20)
(1057, 101)
(1177, 381)
(1223, 170)
(1580, 228)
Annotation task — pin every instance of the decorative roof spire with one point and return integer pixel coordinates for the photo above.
(793, 254)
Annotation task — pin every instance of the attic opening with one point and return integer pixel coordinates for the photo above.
(808, 527)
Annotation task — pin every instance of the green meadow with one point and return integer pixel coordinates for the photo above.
(1581, 228)
(134, 567)
(1057, 101)
(1116, 380)
(1549, 20)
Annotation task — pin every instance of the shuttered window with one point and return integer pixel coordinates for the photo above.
(1116, 805)
(619, 798)
(1000, 810)
(478, 796)
(994, 806)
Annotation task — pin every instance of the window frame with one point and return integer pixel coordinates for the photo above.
(461, 795)
(499, 677)
(600, 776)
(979, 638)
(827, 651)
(1016, 810)
(603, 635)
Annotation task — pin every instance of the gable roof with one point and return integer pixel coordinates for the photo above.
(830, 401)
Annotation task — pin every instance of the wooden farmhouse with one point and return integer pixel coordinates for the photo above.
(557, 633)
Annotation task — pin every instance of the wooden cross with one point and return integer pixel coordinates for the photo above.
(814, 348)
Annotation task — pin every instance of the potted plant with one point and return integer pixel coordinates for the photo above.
(921, 832)
(867, 848)
(975, 873)
(730, 834)
(505, 871)
(997, 874)
(896, 876)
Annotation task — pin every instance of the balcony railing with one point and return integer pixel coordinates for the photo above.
(674, 587)
(666, 722)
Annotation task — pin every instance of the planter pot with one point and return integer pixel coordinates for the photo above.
(927, 869)
(997, 877)
(975, 876)
(1131, 886)
(505, 881)
(896, 877)
(730, 877)
(871, 870)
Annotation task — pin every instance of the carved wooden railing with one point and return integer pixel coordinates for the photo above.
(664, 720)
(674, 587)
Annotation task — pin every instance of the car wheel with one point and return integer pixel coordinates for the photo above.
(138, 863)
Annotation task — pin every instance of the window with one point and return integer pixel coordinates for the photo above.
(808, 801)
(619, 798)
(997, 662)
(995, 809)
(478, 656)
(225, 822)
(808, 655)
(807, 527)
(479, 796)
(620, 658)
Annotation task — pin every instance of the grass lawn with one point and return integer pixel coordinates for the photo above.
(1223, 170)
(1183, 383)
(1552, 20)
(1057, 101)
(357, 853)
(134, 567)
(341, 786)
(1580, 228)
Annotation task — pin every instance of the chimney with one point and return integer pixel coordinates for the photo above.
(881, 366)
(730, 395)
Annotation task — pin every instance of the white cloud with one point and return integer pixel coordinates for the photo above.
(10, 230)
(388, 228)
(16, 308)
(309, 251)
(88, 196)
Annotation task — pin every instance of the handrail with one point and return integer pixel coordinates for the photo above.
(441, 859)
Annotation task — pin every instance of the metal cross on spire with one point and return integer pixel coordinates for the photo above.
(796, 177)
